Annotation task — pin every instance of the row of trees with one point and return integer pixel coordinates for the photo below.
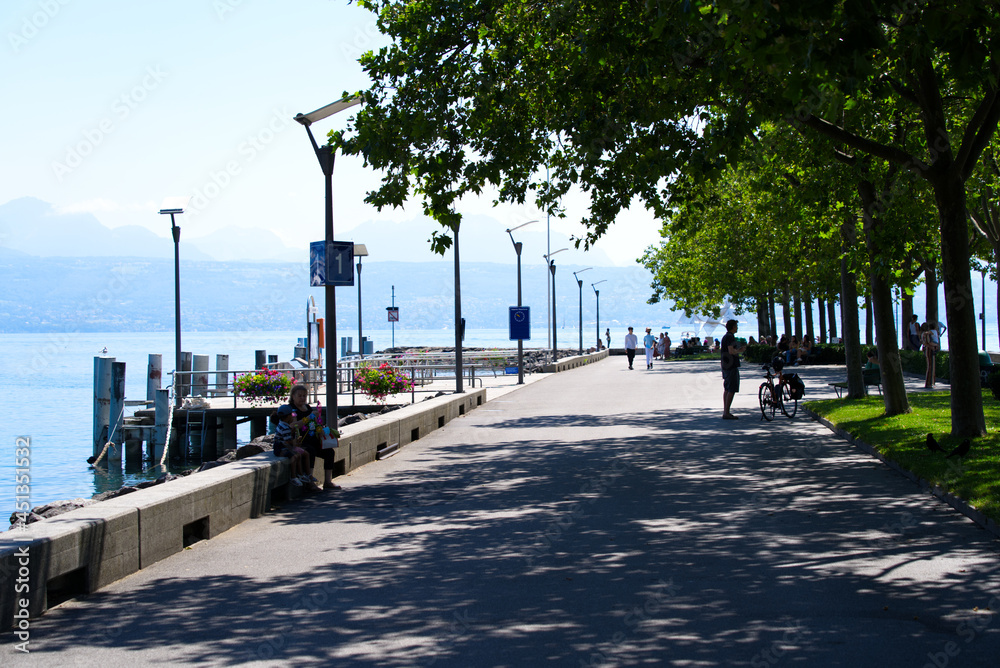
(808, 144)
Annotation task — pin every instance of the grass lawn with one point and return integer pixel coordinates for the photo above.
(901, 438)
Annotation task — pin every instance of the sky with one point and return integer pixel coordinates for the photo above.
(111, 106)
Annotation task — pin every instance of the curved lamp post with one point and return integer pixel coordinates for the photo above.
(552, 270)
(520, 342)
(325, 155)
(597, 293)
(579, 284)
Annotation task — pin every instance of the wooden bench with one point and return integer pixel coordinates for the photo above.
(871, 377)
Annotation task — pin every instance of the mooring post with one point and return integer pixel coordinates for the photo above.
(183, 379)
(133, 454)
(259, 359)
(162, 410)
(209, 444)
(222, 379)
(154, 376)
(199, 381)
(102, 401)
(117, 414)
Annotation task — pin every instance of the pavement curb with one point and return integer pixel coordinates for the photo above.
(959, 504)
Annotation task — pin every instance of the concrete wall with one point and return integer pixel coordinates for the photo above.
(85, 549)
(568, 363)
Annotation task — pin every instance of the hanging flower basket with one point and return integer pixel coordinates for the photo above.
(262, 387)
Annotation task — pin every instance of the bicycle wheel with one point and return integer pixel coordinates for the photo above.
(789, 406)
(766, 402)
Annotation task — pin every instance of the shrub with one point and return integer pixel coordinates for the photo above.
(264, 386)
(380, 382)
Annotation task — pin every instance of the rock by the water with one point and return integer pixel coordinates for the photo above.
(266, 441)
(211, 465)
(250, 450)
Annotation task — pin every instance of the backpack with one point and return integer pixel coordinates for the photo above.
(796, 388)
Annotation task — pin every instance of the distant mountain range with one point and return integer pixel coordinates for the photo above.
(59, 294)
(34, 227)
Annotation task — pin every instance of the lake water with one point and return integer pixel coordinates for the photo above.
(46, 394)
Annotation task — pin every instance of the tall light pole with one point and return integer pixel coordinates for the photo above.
(175, 206)
(597, 294)
(520, 342)
(579, 284)
(552, 271)
(325, 155)
(360, 251)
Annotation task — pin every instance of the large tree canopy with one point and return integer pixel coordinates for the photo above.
(614, 97)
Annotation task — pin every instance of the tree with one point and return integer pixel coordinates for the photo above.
(615, 97)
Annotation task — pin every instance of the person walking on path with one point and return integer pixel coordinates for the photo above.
(631, 341)
(649, 341)
(730, 368)
(931, 341)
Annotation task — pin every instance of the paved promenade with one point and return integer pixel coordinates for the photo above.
(595, 517)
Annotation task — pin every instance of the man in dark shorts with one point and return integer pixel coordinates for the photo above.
(730, 368)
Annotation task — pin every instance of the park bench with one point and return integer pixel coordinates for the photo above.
(871, 377)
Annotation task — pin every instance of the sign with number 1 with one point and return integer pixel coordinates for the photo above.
(331, 263)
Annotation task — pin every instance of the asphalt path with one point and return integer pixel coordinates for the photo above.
(596, 517)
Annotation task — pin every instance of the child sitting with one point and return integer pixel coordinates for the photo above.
(286, 445)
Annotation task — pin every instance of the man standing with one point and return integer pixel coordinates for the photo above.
(730, 368)
(649, 341)
(631, 341)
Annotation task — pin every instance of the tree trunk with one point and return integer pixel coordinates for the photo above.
(807, 306)
(851, 330)
(893, 387)
(786, 312)
(761, 302)
(967, 419)
(772, 321)
(931, 289)
(797, 305)
(821, 308)
(869, 338)
(904, 319)
(996, 262)
(832, 308)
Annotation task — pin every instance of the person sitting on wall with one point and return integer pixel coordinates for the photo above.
(286, 445)
(307, 425)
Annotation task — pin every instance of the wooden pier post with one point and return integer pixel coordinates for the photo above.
(117, 414)
(162, 407)
(102, 401)
(199, 380)
(154, 376)
(259, 359)
(182, 382)
(209, 444)
(222, 379)
(133, 454)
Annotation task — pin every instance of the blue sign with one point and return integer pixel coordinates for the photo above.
(331, 263)
(520, 323)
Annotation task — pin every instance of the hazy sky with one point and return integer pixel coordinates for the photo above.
(110, 106)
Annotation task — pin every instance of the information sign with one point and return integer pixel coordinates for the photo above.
(520, 323)
(331, 263)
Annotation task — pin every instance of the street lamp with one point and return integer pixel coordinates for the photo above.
(579, 284)
(520, 342)
(175, 206)
(597, 294)
(325, 155)
(360, 251)
(552, 271)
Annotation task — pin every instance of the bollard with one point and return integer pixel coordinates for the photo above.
(102, 401)
(199, 380)
(154, 376)
(222, 379)
(133, 454)
(183, 379)
(162, 408)
(117, 415)
(259, 359)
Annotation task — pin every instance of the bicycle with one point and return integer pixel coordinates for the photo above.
(773, 397)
